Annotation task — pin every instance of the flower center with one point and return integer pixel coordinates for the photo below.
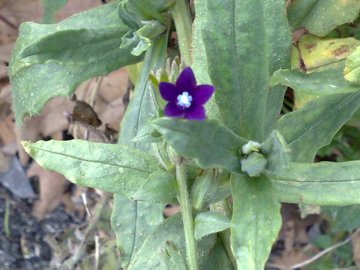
(184, 100)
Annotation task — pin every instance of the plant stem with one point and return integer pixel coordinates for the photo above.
(183, 24)
(186, 212)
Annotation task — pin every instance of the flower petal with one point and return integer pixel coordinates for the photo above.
(195, 113)
(202, 93)
(186, 81)
(172, 110)
(169, 92)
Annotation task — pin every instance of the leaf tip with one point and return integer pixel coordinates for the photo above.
(26, 146)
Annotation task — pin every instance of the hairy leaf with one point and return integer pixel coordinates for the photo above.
(319, 17)
(210, 222)
(142, 218)
(256, 221)
(112, 168)
(211, 187)
(218, 258)
(313, 126)
(279, 53)
(146, 19)
(238, 59)
(150, 255)
(326, 82)
(200, 63)
(172, 259)
(324, 183)
(132, 222)
(208, 143)
(52, 60)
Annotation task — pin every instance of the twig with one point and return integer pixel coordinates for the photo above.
(81, 251)
(317, 256)
(9, 23)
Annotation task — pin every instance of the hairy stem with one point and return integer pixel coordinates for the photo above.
(183, 24)
(186, 212)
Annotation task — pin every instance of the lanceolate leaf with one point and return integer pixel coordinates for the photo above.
(170, 232)
(322, 16)
(218, 258)
(172, 259)
(141, 217)
(239, 66)
(132, 222)
(142, 106)
(209, 188)
(256, 221)
(277, 29)
(324, 183)
(52, 60)
(112, 168)
(200, 63)
(210, 222)
(313, 126)
(208, 143)
(326, 82)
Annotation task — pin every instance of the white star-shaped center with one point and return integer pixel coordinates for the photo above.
(184, 100)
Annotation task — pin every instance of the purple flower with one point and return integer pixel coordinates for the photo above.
(185, 98)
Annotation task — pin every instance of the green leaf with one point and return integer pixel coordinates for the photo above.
(141, 218)
(132, 222)
(151, 254)
(210, 222)
(352, 67)
(112, 168)
(50, 8)
(256, 221)
(211, 187)
(254, 164)
(208, 143)
(218, 258)
(143, 37)
(313, 126)
(146, 19)
(142, 106)
(324, 183)
(237, 51)
(279, 57)
(320, 17)
(342, 218)
(326, 82)
(52, 60)
(173, 258)
(276, 150)
(200, 63)
(134, 11)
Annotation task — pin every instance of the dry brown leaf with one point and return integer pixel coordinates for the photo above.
(108, 102)
(52, 186)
